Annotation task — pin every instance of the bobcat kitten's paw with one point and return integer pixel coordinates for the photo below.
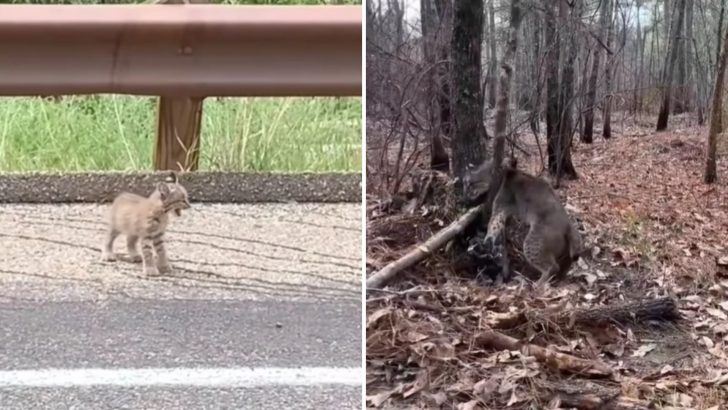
(135, 258)
(150, 271)
(166, 270)
(107, 257)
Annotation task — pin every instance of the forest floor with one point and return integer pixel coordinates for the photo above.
(655, 231)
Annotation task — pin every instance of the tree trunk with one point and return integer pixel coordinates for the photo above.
(535, 121)
(587, 134)
(505, 81)
(444, 12)
(670, 69)
(439, 159)
(564, 167)
(493, 57)
(607, 112)
(466, 144)
(682, 97)
(720, 34)
(667, 20)
(637, 97)
(716, 114)
(552, 87)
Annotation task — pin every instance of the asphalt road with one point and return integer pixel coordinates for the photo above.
(259, 287)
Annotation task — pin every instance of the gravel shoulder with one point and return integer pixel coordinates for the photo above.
(282, 252)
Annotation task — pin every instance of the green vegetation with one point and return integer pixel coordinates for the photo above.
(115, 132)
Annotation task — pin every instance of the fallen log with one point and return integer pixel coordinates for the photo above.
(662, 309)
(421, 251)
(550, 358)
(595, 402)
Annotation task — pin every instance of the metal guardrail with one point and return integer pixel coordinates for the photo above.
(189, 50)
(182, 53)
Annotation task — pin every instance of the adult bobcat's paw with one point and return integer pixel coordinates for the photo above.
(135, 258)
(493, 247)
(489, 273)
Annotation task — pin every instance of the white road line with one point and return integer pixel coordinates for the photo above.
(202, 377)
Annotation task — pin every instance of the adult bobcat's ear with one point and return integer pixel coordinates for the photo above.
(163, 189)
(510, 163)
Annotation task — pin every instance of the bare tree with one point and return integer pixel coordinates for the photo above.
(591, 97)
(439, 159)
(607, 113)
(467, 142)
(492, 57)
(669, 70)
(557, 148)
(568, 15)
(716, 114)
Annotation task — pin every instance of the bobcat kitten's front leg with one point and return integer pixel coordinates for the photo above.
(162, 260)
(131, 247)
(147, 258)
(107, 253)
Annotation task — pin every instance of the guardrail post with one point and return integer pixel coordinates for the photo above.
(179, 121)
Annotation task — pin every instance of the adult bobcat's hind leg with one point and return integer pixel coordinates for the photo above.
(536, 254)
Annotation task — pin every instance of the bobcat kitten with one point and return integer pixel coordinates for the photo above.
(147, 218)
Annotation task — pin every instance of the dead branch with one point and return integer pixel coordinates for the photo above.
(663, 309)
(421, 251)
(554, 360)
(595, 402)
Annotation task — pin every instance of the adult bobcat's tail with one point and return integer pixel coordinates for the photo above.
(573, 238)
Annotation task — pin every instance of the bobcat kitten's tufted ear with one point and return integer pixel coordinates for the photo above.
(163, 189)
(171, 177)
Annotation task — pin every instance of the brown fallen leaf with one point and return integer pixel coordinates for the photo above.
(378, 399)
(717, 313)
(643, 350)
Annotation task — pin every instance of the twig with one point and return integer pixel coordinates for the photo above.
(421, 251)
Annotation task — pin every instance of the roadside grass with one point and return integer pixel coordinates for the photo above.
(116, 133)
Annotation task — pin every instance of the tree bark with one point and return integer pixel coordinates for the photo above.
(552, 86)
(607, 112)
(466, 146)
(564, 166)
(505, 81)
(587, 135)
(670, 69)
(682, 97)
(716, 114)
(439, 159)
(493, 57)
(637, 97)
(720, 34)
(444, 12)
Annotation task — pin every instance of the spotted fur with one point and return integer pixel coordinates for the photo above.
(145, 219)
(552, 244)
